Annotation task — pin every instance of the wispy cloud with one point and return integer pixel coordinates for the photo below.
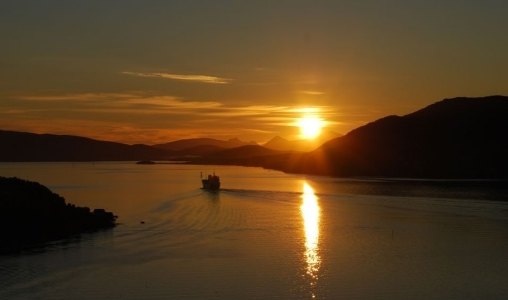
(172, 102)
(119, 102)
(183, 77)
(312, 93)
(138, 116)
(77, 97)
(250, 110)
(166, 104)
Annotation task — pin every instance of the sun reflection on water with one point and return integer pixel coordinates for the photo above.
(311, 214)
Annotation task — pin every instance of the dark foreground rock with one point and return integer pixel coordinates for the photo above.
(31, 214)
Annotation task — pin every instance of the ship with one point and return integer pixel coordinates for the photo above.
(211, 182)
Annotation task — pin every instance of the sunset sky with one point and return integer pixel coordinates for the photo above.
(156, 71)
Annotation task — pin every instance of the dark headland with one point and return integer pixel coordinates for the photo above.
(31, 214)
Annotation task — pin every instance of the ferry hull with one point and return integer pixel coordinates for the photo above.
(211, 185)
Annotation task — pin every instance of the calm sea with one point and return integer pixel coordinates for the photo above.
(266, 235)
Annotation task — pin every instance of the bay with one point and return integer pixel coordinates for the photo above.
(266, 234)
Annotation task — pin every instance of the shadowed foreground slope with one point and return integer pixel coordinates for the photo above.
(30, 214)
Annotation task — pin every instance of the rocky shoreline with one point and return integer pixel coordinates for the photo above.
(31, 214)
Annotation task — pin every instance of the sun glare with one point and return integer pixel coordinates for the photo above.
(310, 126)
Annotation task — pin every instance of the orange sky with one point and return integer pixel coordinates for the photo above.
(149, 73)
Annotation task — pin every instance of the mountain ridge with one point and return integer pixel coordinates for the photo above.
(183, 144)
(25, 146)
(454, 138)
(457, 137)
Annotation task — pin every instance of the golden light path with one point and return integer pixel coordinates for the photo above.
(311, 214)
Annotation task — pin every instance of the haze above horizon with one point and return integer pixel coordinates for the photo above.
(139, 72)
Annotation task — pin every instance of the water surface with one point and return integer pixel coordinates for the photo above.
(266, 235)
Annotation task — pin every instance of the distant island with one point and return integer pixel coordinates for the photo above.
(31, 214)
(453, 138)
(146, 162)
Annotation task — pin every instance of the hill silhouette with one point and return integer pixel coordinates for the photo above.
(202, 144)
(453, 138)
(254, 156)
(244, 152)
(282, 144)
(277, 143)
(23, 146)
(198, 150)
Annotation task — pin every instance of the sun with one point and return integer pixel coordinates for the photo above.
(310, 126)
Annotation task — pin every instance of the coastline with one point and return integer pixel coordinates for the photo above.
(32, 215)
